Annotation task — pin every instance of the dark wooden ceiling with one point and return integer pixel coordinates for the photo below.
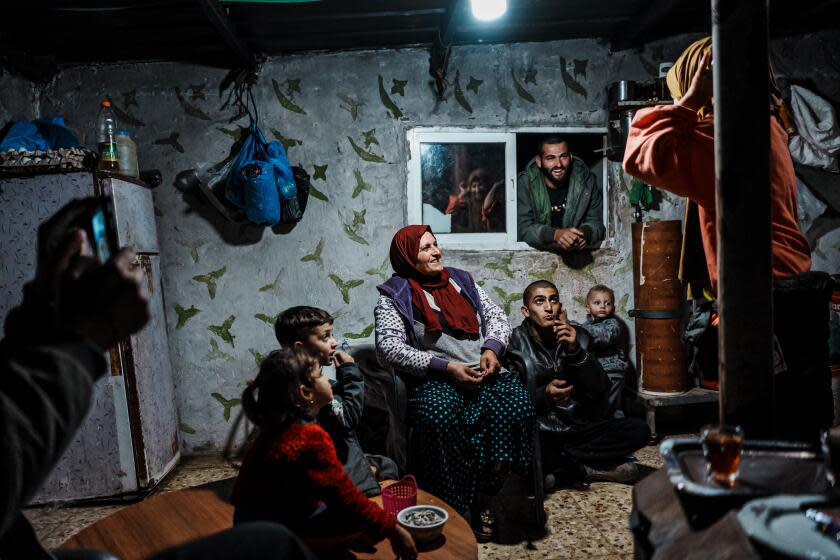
(68, 32)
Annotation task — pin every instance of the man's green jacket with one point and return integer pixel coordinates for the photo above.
(584, 206)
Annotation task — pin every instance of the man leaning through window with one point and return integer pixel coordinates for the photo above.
(559, 203)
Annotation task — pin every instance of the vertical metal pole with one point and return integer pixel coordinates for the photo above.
(742, 164)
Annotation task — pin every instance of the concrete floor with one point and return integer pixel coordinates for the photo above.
(588, 523)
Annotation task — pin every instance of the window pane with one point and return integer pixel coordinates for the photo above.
(463, 187)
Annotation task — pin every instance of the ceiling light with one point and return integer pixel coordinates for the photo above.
(487, 10)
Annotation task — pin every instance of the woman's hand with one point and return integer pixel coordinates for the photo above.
(559, 392)
(699, 93)
(403, 544)
(464, 376)
(489, 363)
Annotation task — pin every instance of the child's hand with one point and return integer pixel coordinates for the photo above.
(559, 392)
(403, 544)
(340, 358)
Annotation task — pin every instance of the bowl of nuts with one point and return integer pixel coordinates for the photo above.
(424, 522)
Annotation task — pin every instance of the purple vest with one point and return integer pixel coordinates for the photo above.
(398, 289)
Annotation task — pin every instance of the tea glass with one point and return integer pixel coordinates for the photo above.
(722, 450)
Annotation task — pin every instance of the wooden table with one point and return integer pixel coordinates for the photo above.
(181, 516)
(160, 522)
(459, 541)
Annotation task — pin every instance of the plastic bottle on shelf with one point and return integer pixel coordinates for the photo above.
(127, 154)
(106, 128)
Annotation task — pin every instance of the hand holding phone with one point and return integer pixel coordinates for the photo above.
(101, 232)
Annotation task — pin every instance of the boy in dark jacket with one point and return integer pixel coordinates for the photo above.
(311, 328)
(579, 438)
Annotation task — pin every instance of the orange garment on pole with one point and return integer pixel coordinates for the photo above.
(672, 148)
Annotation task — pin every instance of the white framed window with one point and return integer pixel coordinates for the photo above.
(462, 182)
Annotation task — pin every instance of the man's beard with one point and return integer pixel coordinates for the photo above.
(556, 182)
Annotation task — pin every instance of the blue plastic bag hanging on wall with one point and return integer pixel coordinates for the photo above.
(260, 177)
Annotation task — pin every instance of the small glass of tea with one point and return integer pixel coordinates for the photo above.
(722, 450)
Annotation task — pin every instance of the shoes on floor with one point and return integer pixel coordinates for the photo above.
(485, 529)
(625, 473)
(549, 481)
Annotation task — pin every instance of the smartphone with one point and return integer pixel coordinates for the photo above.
(101, 232)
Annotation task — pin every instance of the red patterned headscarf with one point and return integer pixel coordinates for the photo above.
(457, 311)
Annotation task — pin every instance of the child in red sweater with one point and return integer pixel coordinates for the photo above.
(291, 473)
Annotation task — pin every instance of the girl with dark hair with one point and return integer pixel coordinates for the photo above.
(291, 473)
(472, 419)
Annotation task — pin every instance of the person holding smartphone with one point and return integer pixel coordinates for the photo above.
(78, 306)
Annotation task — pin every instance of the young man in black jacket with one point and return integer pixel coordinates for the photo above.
(579, 438)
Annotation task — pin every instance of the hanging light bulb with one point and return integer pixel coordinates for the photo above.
(487, 10)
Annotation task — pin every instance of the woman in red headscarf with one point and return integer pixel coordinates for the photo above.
(472, 419)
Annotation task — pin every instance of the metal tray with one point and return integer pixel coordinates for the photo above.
(767, 467)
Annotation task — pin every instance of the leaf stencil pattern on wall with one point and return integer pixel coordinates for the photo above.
(588, 272)
(502, 265)
(216, 354)
(226, 403)
(580, 67)
(507, 298)
(126, 118)
(546, 274)
(223, 330)
(171, 140)
(320, 172)
(184, 315)
(189, 108)
(315, 256)
(389, 104)
(235, 133)
(521, 91)
(569, 81)
(345, 287)
(621, 306)
(351, 104)
(474, 84)
(459, 93)
(382, 271)
(274, 287)
(286, 100)
(366, 332)
(269, 320)
(531, 76)
(352, 229)
(210, 279)
(258, 358)
(361, 185)
(398, 87)
(186, 428)
(288, 143)
(364, 154)
(193, 246)
(370, 138)
(197, 92)
(130, 99)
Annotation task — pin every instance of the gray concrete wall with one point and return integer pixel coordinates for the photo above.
(173, 110)
(18, 99)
